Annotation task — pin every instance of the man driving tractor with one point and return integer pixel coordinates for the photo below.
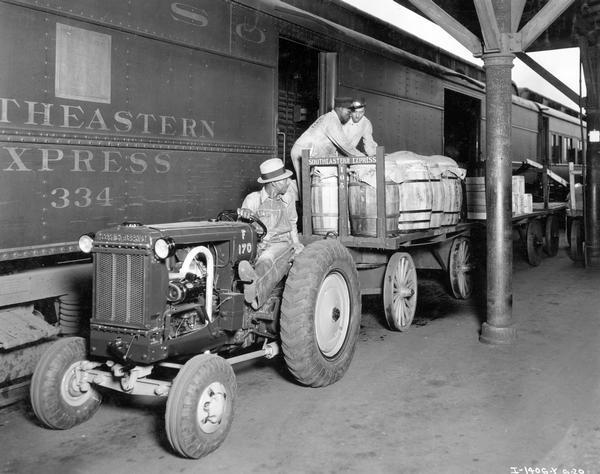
(275, 206)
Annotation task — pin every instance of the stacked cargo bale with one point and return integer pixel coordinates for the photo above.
(429, 190)
(450, 177)
(522, 202)
(416, 188)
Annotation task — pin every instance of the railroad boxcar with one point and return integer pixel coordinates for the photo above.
(158, 111)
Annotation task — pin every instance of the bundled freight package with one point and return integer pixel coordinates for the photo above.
(422, 192)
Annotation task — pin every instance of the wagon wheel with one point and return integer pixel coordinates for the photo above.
(460, 265)
(551, 236)
(534, 242)
(400, 291)
(576, 247)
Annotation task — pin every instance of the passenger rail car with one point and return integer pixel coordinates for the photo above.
(161, 111)
(551, 137)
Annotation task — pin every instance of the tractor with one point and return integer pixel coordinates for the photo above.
(169, 319)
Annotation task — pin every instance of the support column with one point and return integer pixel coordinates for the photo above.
(592, 189)
(499, 328)
(589, 48)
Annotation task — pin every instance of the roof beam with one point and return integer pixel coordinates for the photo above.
(516, 12)
(548, 76)
(542, 20)
(489, 24)
(448, 23)
(589, 63)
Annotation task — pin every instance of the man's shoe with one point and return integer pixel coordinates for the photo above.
(250, 294)
(246, 272)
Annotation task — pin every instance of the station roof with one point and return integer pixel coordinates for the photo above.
(560, 34)
(536, 25)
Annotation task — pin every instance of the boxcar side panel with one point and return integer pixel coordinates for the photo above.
(145, 130)
(219, 26)
(524, 140)
(404, 104)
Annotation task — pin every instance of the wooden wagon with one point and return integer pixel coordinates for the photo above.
(387, 261)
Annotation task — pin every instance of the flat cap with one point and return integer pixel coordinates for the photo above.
(343, 102)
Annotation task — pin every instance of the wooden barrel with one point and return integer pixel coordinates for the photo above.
(447, 195)
(324, 204)
(362, 207)
(452, 199)
(437, 198)
(416, 195)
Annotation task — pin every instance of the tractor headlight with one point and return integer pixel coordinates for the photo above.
(164, 248)
(86, 242)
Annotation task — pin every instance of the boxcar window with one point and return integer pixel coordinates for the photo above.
(557, 148)
(572, 149)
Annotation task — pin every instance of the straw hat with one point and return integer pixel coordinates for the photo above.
(273, 170)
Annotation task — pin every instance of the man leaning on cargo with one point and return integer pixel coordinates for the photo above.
(326, 137)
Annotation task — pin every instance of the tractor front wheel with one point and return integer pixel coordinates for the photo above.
(58, 397)
(200, 406)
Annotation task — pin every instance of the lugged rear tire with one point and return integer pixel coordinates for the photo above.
(200, 406)
(320, 314)
(55, 398)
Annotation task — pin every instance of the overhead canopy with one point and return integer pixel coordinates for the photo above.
(560, 34)
(531, 25)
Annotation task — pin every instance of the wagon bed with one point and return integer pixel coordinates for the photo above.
(387, 262)
(384, 239)
(538, 230)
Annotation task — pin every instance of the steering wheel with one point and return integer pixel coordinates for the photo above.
(227, 215)
(257, 224)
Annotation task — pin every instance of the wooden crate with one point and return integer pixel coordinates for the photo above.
(522, 203)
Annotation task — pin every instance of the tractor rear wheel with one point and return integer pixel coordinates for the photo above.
(320, 314)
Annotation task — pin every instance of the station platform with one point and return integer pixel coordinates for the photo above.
(430, 400)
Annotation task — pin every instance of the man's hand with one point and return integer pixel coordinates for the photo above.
(245, 213)
(298, 247)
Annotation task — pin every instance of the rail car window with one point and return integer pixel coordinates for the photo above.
(571, 150)
(557, 155)
(566, 149)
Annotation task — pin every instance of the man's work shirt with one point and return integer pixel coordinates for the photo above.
(324, 138)
(363, 129)
(278, 214)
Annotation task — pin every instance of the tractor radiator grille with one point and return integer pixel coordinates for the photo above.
(120, 288)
